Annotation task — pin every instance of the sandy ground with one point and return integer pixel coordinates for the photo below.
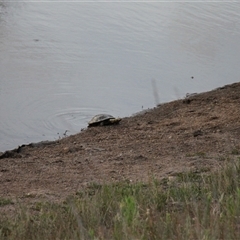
(193, 134)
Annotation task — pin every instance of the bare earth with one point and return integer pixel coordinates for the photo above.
(193, 134)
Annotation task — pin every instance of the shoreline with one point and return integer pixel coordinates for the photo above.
(197, 134)
(142, 112)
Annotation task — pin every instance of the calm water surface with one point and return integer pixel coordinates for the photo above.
(61, 63)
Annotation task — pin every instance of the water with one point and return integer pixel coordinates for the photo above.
(63, 62)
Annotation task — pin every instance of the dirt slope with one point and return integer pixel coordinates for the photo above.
(196, 133)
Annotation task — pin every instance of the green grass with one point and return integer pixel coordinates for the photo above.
(235, 151)
(192, 206)
(5, 201)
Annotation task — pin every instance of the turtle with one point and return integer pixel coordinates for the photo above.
(102, 120)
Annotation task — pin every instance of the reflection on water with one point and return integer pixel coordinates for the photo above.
(62, 63)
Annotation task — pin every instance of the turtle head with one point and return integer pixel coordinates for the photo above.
(115, 120)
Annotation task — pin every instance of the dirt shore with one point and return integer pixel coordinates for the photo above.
(193, 134)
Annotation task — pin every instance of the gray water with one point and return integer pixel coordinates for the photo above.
(63, 62)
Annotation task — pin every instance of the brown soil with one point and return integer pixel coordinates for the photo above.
(193, 134)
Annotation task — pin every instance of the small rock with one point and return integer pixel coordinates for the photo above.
(197, 133)
(66, 149)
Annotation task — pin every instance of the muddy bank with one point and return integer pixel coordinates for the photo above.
(194, 134)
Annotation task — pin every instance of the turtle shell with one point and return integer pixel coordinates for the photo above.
(102, 119)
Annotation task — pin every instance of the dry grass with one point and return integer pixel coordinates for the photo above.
(190, 206)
